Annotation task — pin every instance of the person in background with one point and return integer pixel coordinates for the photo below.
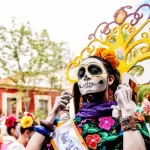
(13, 130)
(27, 124)
(64, 115)
(3, 132)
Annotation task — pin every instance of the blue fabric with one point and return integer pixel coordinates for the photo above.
(42, 130)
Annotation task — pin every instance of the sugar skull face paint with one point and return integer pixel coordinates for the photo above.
(92, 76)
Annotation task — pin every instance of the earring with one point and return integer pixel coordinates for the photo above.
(110, 95)
(80, 102)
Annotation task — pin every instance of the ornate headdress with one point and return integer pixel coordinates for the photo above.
(128, 33)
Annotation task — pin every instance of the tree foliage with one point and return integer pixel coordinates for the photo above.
(143, 90)
(31, 59)
(40, 115)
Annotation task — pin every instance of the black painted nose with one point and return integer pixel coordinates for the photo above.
(86, 78)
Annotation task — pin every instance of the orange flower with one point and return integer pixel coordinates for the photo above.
(80, 130)
(99, 51)
(115, 63)
(108, 55)
(139, 116)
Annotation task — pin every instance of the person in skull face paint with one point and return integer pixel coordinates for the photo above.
(94, 120)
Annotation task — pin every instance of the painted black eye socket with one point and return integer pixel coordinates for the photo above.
(95, 69)
(81, 72)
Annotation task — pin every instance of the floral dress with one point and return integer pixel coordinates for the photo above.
(100, 130)
(104, 133)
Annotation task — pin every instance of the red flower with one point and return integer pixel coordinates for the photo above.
(10, 121)
(93, 140)
(80, 130)
(139, 116)
(29, 114)
(148, 96)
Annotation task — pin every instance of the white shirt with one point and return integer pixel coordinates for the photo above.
(16, 146)
(9, 139)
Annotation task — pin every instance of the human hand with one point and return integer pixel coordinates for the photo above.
(123, 96)
(61, 102)
(116, 113)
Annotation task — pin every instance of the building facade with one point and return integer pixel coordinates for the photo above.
(12, 103)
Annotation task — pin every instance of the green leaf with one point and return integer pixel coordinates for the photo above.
(103, 135)
(112, 137)
(85, 126)
(77, 120)
(92, 130)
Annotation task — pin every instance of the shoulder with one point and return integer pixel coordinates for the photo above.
(9, 139)
(16, 146)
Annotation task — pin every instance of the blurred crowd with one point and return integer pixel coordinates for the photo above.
(15, 133)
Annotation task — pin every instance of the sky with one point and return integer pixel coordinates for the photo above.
(70, 21)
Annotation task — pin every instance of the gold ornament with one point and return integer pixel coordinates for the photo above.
(127, 33)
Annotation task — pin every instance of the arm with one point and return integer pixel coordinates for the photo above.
(131, 139)
(37, 139)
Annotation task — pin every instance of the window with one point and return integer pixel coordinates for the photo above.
(43, 105)
(42, 102)
(11, 107)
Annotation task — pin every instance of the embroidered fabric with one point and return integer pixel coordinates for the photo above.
(100, 130)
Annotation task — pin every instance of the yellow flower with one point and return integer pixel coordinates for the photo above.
(26, 122)
(59, 124)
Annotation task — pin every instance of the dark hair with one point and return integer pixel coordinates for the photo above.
(76, 97)
(14, 127)
(22, 130)
(109, 70)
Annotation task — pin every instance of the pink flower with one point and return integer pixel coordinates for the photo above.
(146, 106)
(106, 122)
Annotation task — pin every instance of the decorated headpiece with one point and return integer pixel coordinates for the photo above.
(128, 33)
(27, 120)
(10, 121)
(108, 55)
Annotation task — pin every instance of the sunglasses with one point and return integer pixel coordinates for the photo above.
(93, 69)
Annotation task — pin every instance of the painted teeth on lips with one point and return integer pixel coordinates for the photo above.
(87, 85)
